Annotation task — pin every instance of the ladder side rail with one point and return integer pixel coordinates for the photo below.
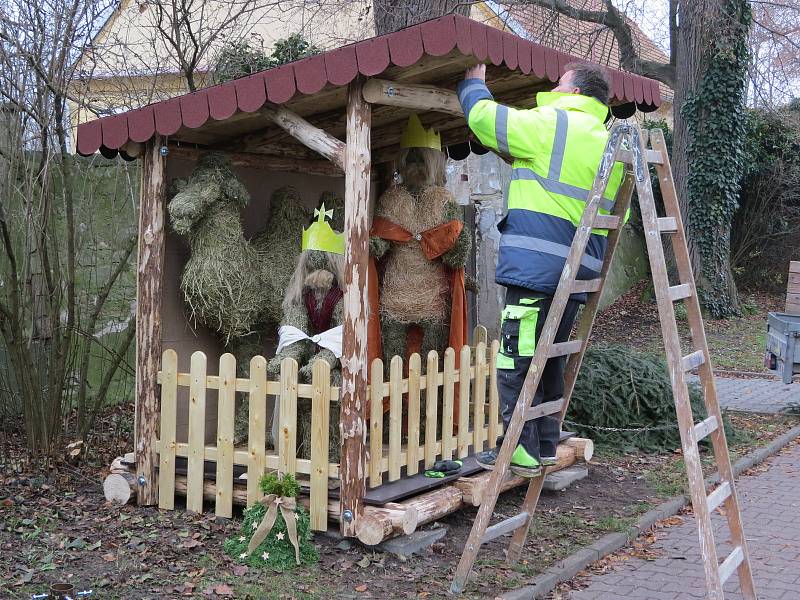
(557, 306)
(666, 313)
(592, 306)
(695, 319)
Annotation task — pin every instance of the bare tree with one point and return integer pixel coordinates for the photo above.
(190, 28)
(775, 46)
(45, 265)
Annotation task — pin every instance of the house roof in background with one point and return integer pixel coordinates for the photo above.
(591, 41)
(439, 50)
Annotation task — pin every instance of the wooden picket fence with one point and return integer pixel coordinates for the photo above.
(472, 386)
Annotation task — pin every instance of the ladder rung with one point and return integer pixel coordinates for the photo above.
(718, 496)
(504, 527)
(693, 360)
(606, 222)
(564, 348)
(586, 286)
(654, 157)
(730, 564)
(544, 409)
(705, 427)
(667, 225)
(679, 292)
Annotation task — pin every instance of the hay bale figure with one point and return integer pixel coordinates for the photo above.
(313, 317)
(419, 239)
(230, 284)
(220, 281)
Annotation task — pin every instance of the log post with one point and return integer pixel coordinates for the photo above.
(149, 284)
(353, 395)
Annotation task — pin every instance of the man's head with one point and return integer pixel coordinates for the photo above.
(585, 79)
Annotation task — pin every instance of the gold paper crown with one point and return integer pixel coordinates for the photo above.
(415, 135)
(321, 236)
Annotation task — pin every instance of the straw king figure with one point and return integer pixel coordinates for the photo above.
(420, 245)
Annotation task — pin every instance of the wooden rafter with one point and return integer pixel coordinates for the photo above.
(312, 137)
(412, 96)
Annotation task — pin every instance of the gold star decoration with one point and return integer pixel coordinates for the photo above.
(322, 213)
(255, 525)
(279, 535)
(241, 538)
(265, 556)
(243, 555)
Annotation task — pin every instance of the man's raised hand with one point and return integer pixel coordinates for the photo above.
(476, 72)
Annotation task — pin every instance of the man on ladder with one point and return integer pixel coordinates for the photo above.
(556, 148)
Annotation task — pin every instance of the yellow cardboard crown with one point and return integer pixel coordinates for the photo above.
(321, 236)
(415, 135)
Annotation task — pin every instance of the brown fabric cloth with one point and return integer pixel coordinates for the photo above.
(434, 242)
(287, 505)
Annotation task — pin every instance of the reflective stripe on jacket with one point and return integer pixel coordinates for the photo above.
(556, 148)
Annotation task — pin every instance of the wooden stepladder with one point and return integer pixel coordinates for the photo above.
(638, 157)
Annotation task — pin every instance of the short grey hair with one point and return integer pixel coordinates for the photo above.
(591, 79)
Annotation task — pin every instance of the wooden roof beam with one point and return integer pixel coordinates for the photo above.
(307, 134)
(412, 96)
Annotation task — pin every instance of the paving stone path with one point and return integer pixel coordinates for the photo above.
(770, 502)
(757, 395)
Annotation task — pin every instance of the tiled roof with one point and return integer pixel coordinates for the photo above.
(338, 67)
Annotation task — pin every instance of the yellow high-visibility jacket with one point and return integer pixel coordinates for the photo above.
(557, 148)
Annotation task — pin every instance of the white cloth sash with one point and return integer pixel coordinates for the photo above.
(330, 339)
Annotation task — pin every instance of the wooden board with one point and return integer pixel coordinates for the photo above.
(414, 369)
(320, 421)
(431, 410)
(197, 423)
(169, 406)
(411, 486)
(287, 435)
(226, 409)
(256, 438)
(376, 423)
(395, 416)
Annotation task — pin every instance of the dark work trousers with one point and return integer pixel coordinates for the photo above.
(539, 437)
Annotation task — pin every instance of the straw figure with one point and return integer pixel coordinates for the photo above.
(230, 284)
(421, 245)
(220, 281)
(311, 328)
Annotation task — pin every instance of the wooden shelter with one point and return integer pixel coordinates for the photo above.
(291, 120)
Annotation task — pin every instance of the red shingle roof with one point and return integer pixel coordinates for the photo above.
(339, 67)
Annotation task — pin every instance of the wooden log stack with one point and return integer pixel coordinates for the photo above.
(377, 523)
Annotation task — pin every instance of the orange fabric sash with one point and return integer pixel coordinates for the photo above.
(434, 242)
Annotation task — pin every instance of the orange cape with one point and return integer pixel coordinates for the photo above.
(434, 242)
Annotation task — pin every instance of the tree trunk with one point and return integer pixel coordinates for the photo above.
(703, 24)
(391, 15)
